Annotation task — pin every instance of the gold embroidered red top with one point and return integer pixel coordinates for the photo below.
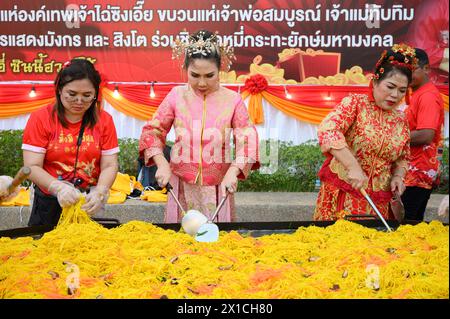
(379, 140)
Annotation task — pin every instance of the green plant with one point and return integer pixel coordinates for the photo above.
(128, 156)
(11, 159)
(294, 171)
(444, 178)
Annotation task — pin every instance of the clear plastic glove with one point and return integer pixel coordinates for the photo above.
(65, 192)
(443, 207)
(96, 200)
(5, 181)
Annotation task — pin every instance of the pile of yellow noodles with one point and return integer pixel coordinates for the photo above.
(139, 260)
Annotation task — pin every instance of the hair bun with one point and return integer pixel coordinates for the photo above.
(401, 55)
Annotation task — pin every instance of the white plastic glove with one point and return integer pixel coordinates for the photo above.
(65, 192)
(95, 200)
(5, 181)
(443, 207)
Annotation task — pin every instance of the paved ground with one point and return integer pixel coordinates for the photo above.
(250, 207)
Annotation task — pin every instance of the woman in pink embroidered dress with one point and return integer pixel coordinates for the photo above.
(203, 114)
(366, 142)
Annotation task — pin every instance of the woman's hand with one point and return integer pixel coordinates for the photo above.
(443, 207)
(230, 181)
(163, 174)
(356, 177)
(397, 185)
(96, 200)
(65, 192)
(5, 181)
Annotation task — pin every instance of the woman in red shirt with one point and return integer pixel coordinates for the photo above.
(71, 147)
(366, 141)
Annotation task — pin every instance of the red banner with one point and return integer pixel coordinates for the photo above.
(308, 42)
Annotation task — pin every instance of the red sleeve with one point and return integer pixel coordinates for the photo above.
(332, 129)
(429, 112)
(109, 143)
(36, 135)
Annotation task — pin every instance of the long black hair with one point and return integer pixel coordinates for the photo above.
(77, 69)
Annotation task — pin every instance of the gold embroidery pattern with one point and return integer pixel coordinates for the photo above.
(377, 138)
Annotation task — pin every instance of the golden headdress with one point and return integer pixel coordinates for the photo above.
(201, 44)
(400, 54)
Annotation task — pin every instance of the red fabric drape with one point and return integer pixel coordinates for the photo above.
(141, 93)
(15, 93)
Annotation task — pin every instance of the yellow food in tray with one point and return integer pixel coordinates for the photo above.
(81, 259)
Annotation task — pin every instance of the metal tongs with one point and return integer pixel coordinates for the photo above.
(369, 200)
(209, 232)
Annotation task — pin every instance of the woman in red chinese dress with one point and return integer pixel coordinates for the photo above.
(366, 142)
(71, 146)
